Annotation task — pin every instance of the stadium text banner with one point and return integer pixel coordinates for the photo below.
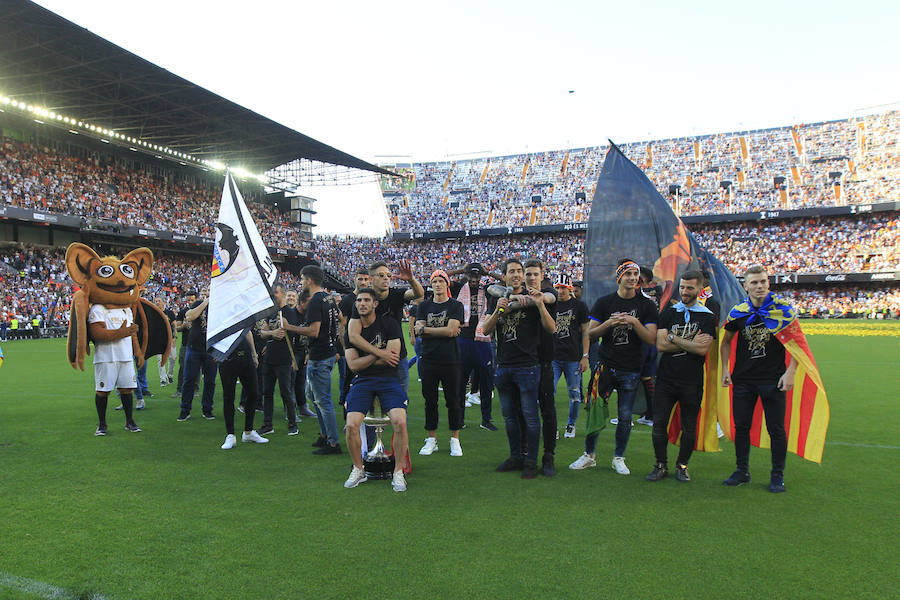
(240, 288)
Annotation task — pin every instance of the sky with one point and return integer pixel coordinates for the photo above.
(418, 81)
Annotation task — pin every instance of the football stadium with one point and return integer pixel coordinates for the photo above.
(556, 325)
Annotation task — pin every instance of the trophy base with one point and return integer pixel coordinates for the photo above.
(379, 467)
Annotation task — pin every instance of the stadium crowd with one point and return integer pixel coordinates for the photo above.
(108, 193)
(819, 245)
(824, 164)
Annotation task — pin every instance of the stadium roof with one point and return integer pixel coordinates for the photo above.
(48, 61)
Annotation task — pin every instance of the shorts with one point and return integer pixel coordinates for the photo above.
(363, 391)
(111, 375)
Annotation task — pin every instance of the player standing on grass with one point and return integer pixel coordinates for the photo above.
(685, 334)
(625, 320)
(759, 372)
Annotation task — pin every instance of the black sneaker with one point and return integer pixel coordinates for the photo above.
(660, 471)
(320, 441)
(132, 427)
(737, 478)
(488, 425)
(511, 464)
(547, 467)
(681, 473)
(147, 394)
(304, 411)
(241, 408)
(101, 430)
(292, 430)
(776, 483)
(209, 416)
(529, 470)
(183, 417)
(328, 449)
(265, 430)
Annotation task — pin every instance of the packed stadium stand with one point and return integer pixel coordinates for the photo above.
(836, 163)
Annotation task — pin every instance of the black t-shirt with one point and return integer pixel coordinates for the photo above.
(184, 332)
(759, 356)
(392, 307)
(545, 347)
(301, 342)
(571, 315)
(433, 314)
(170, 315)
(682, 366)
(654, 292)
(197, 333)
(321, 310)
(277, 351)
(620, 347)
(348, 304)
(240, 354)
(378, 334)
(518, 334)
(467, 330)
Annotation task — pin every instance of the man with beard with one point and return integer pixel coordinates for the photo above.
(278, 362)
(624, 320)
(167, 369)
(652, 290)
(518, 373)
(197, 359)
(183, 325)
(685, 334)
(300, 345)
(362, 280)
(474, 345)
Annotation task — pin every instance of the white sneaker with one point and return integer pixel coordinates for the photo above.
(430, 447)
(474, 399)
(615, 421)
(584, 461)
(468, 404)
(570, 431)
(230, 441)
(253, 437)
(357, 476)
(398, 482)
(618, 463)
(140, 405)
(455, 448)
(645, 421)
(719, 431)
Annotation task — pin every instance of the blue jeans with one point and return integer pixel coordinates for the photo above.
(142, 379)
(626, 384)
(418, 349)
(517, 388)
(318, 377)
(569, 368)
(196, 361)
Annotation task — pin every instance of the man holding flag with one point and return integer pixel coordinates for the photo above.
(760, 370)
(241, 285)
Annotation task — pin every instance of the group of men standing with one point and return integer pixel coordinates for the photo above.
(519, 338)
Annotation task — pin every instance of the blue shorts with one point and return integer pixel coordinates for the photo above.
(363, 391)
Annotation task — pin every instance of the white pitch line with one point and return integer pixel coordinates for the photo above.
(853, 445)
(41, 589)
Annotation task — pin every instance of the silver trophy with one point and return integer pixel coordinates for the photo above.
(378, 464)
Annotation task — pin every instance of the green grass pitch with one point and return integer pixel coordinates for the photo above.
(167, 514)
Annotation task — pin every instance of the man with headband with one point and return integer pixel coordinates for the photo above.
(624, 320)
(437, 325)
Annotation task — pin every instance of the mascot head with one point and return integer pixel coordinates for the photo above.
(108, 280)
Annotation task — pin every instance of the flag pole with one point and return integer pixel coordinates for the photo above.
(287, 339)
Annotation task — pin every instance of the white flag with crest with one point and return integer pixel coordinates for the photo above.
(240, 290)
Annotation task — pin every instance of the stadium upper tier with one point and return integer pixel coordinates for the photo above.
(855, 161)
(104, 188)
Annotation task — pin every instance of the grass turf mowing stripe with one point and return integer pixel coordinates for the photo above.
(44, 590)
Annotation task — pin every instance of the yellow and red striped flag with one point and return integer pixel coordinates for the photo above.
(806, 414)
(707, 435)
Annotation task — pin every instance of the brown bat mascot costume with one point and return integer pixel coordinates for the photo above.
(109, 311)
